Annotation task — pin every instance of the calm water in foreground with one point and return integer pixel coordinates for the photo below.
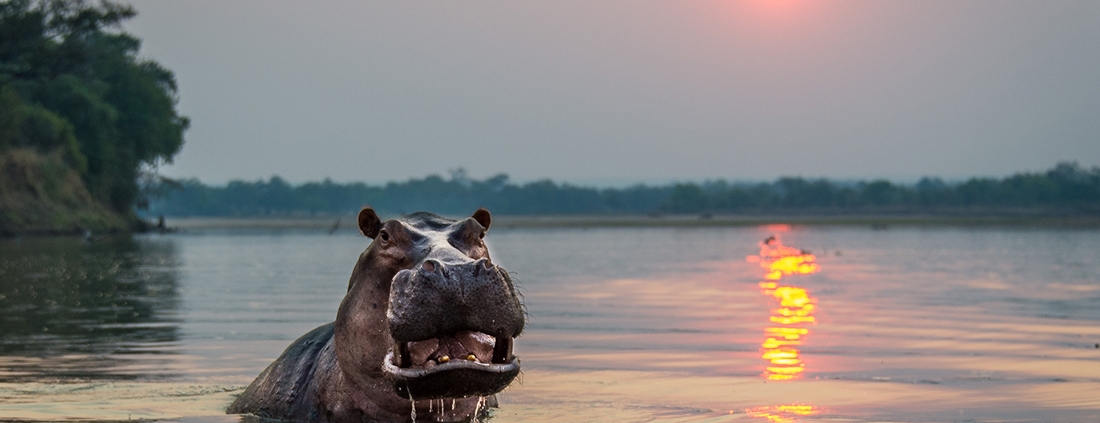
(658, 324)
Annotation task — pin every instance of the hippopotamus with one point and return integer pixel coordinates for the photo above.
(425, 332)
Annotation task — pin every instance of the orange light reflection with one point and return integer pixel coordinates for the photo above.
(795, 311)
(783, 413)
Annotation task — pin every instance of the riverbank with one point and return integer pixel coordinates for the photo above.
(42, 195)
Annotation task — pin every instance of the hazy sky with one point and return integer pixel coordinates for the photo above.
(608, 92)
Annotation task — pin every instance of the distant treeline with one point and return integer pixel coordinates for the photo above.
(1065, 189)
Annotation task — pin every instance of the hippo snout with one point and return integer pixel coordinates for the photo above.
(453, 326)
(436, 298)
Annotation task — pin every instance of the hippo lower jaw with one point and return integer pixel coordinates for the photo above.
(442, 376)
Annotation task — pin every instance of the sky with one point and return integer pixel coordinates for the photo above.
(618, 92)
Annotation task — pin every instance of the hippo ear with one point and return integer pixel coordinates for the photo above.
(482, 216)
(369, 223)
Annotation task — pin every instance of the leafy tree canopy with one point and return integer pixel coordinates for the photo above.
(72, 81)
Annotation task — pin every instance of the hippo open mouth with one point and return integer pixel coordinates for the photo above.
(464, 364)
(453, 320)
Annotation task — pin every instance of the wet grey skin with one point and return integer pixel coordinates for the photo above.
(425, 332)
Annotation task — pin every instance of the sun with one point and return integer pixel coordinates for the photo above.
(777, 6)
(779, 9)
(775, 14)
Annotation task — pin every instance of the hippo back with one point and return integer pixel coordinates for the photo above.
(288, 380)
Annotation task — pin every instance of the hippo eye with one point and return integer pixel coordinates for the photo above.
(482, 235)
(385, 236)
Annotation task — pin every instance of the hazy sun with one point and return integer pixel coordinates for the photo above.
(775, 14)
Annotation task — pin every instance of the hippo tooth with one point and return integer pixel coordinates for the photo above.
(402, 354)
(502, 349)
(443, 359)
(471, 357)
(402, 350)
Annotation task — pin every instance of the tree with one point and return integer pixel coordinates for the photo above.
(71, 80)
(880, 193)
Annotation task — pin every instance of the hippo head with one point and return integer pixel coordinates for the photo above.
(428, 314)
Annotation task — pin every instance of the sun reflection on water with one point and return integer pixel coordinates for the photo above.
(783, 413)
(796, 307)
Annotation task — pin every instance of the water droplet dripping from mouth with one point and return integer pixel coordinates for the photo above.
(477, 409)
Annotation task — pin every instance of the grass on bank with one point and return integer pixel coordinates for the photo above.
(40, 194)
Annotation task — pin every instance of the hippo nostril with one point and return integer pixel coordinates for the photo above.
(429, 266)
(484, 262)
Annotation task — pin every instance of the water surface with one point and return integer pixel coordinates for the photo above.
(652, 324)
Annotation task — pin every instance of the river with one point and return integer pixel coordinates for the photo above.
(936, 324)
